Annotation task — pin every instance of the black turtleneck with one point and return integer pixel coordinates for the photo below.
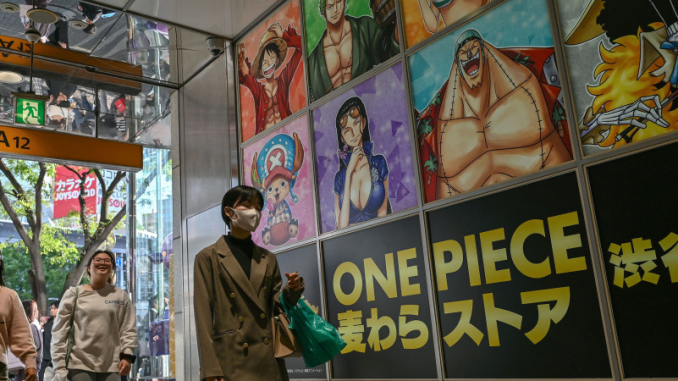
(242, 250)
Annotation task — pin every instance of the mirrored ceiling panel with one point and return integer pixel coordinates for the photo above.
(103, 40)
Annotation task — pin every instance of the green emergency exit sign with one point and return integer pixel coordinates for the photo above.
(29, 111)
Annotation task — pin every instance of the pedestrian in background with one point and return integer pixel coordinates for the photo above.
(15, 333)
(105, 335)
(32, 314)
(46, 369)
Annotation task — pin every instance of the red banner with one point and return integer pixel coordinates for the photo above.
(67, 191)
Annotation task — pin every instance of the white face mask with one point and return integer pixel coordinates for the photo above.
(246, 219)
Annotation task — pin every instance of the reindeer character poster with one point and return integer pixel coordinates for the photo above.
(279, 166)
(488, 103)
(271, 72)
(623, 69)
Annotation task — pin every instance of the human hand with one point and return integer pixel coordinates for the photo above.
(293, 281)
(124, 367)
(31, 374)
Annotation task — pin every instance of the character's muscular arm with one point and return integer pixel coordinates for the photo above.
(430, 14)
(293, 40)
(244, 76)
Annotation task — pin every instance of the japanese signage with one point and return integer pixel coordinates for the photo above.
(30, 111)
(305, 261)
(377, 297)
(516, 292)
(636, 213)
(24, 143)
(67, 191)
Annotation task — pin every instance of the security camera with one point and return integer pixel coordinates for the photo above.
(215, 45)
(32, 35)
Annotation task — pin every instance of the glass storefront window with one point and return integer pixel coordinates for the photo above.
(152, 250)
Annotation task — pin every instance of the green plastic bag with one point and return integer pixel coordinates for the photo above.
(320, 341)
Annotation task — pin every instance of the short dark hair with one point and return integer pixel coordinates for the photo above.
(55, 303)
(236, 195)
(90, 29)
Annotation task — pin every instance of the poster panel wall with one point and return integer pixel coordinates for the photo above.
(622, 70)
(304, 260)
(424, 18)
(280, 166)
(377, 297)
(516, 290)
(487, 102)
(345, 39)
(638, 231)
(271, 71)
(363, 152)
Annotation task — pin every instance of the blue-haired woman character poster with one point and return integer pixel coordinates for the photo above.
(279, 167)
(364, 154)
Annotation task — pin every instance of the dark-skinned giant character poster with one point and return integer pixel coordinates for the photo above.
(623, 69)
(487, 102)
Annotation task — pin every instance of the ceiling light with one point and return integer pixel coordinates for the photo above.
(11, 77)
(77, 24)
(32, 35)
(9, 7)
(42, 16)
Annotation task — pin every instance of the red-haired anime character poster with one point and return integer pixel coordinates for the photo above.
(271, 72)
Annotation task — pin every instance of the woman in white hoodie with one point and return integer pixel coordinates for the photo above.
(105, 327)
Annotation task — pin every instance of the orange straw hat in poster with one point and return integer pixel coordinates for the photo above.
(271, 72)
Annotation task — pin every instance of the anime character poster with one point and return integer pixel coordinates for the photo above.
(279, 165)
(271, 72)
(346, 38)
(488, 104)
(424, 18)
(363, 152)
(621, 57)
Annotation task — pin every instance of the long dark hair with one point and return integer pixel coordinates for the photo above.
(343, 110)
(28, 309)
